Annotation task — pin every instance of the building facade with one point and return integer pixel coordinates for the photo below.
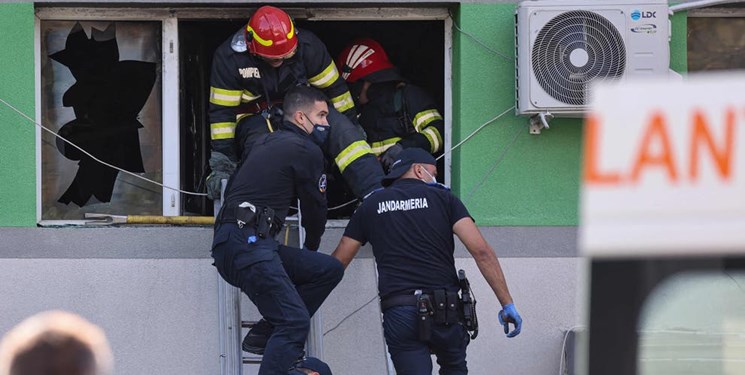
(153, 289)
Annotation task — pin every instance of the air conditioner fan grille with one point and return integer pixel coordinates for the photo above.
(573, 49)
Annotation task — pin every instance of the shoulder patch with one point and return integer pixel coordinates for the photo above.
(322, 183)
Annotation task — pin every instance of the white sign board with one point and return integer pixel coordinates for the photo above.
(664, 168)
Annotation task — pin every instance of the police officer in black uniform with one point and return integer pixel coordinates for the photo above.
(394, 113)
(251, 72)
(410, 225)
(286, 284)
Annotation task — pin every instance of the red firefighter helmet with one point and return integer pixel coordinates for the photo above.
(362, 58)
(270, 33)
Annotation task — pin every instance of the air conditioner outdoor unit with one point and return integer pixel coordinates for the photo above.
(562, 46)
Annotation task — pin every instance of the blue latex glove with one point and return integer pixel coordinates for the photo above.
(509, 315)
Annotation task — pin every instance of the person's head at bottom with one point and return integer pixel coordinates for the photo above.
(311, 366)
(55, 343)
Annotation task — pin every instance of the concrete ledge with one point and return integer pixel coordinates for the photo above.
(106, 243)
(147, 242)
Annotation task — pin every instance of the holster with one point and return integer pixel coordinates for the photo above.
(424, 317)
(265, 223)
(470, 320)
(248, 216)
(245, 214)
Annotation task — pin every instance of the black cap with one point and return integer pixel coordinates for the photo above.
(406, 159)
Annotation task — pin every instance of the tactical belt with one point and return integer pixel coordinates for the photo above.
(248, 215)
(439, 307)
(399, 300)
(445, 305)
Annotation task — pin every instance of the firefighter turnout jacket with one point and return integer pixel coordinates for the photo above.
(243, 85)
(352, 155)
(401, 113)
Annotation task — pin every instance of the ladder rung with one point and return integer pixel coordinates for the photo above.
(251, 360)
(248, 323)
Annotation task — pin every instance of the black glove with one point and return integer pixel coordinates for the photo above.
(222, 168)
(390, 155)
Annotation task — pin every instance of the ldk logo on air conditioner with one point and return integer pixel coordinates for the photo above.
(636, 14)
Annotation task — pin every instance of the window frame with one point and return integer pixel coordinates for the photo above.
(169, 18)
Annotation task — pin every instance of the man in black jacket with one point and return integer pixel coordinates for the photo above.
(286, 284)
(252, 71)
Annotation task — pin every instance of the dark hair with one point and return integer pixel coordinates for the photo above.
(301, 98)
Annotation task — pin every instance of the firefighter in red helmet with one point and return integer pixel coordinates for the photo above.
(251, 73)
(271, 34)
(395, 114)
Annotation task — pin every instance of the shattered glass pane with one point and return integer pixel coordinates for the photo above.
(100, 91)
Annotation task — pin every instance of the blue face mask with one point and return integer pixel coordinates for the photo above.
(319, 134)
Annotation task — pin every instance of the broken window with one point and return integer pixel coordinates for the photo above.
(134, 94)
(100, 90)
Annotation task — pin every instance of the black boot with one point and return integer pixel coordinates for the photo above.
(257, 336)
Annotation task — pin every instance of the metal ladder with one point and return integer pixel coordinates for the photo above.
(231, 325)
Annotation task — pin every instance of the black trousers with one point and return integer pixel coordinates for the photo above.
(286, 284)
(413, 357)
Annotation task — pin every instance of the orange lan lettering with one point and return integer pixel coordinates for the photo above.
(655, 151)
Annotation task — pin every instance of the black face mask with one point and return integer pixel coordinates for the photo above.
(319, 134)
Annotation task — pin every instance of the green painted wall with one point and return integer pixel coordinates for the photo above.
(506, 176)
(17, 143)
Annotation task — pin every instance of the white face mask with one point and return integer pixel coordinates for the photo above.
(434, 182)
(433, 179)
